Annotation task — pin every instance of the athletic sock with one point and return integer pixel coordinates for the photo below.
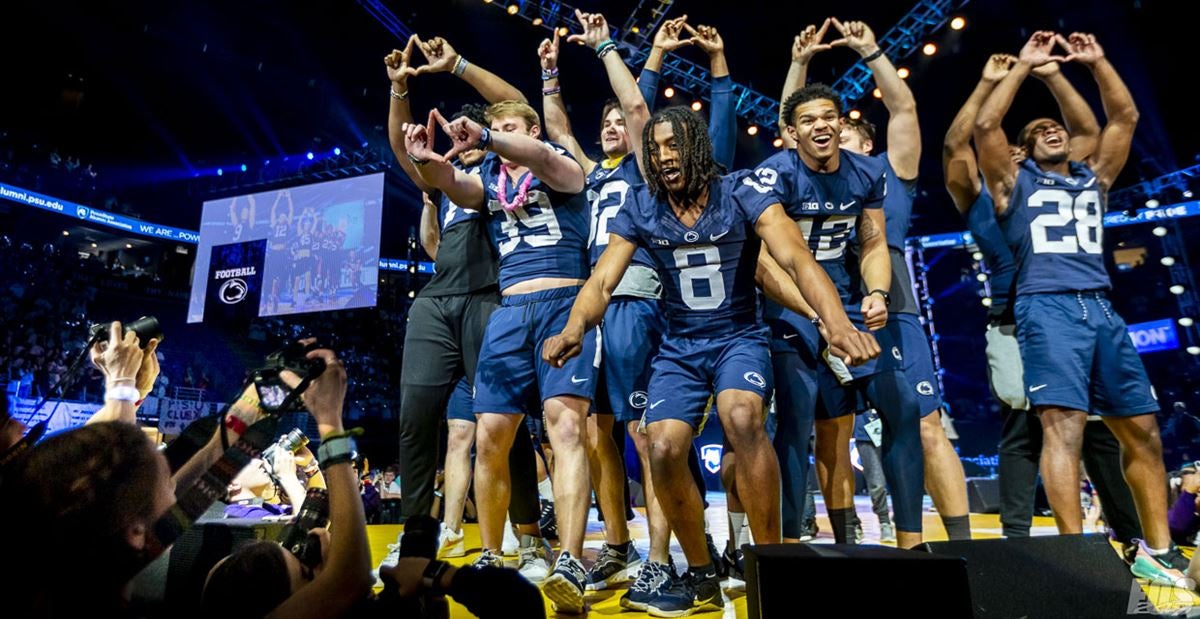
(843, 524)
(957, 527)
(546, 490)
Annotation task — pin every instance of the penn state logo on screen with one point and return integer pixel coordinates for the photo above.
(638, 399)
(233, 291)
(81, 212)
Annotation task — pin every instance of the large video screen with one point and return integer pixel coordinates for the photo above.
(321, 250)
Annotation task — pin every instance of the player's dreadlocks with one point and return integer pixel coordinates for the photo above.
(695, 152)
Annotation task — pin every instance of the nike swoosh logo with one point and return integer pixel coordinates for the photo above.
(847, 205)
(715, 237)
(657, 403)
(578, 381)
(1036, 388)
(790, 336)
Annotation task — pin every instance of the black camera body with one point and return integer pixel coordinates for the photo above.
(273, 394)
(312, 514)
(146, 328)
(292, 357)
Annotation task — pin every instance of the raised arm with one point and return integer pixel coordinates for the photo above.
(591, 301)
(785, 244)
(633, 106)
(1119, 108)
(722, 118)
(466, 190)
(999, 171)
(431, 234)
(558, 125)
(1077, 114)
(442, 57)
(558, 171)
(903, 130)
(806, 44)
(959, 167)
(399, 69)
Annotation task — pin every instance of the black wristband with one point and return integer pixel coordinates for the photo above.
(887, 298)
(872, 56)
(485, 139)
(432, 575)
(416, 161)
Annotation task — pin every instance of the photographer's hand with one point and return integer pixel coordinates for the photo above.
(325, 395)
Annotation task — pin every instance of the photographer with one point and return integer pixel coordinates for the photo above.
(129, 373)
(1184, 517)
(281, 583)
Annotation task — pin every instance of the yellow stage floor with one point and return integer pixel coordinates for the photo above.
(604, 603)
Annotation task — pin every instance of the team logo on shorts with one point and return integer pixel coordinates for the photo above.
(896, 353)
(638, 399)
(710, 455)
(691, 236)
(925, 388)
(756, 379)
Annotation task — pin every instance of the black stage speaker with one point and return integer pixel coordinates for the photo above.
(209, 540)
(814, 580)
(983, 495)
(1049, 576)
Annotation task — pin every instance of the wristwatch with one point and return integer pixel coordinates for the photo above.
(336, 451)
(887, 298)
(433, 575)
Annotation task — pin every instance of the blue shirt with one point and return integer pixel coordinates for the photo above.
(1054, 226)
(545, 237)
(898, 206)
(607, 191)
(1002, 267)
(707, 269)
(827, 206)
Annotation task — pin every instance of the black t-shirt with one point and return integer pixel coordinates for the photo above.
(466, 259)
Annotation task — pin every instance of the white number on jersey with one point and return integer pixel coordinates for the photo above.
(605, 205)
(1083, 210)
(514, 221)
(709, 271)
(832, 235)
(767, 177)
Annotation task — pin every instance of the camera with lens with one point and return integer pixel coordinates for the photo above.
(146, 328)
(292, 441)
(298, 537)
(274, 395)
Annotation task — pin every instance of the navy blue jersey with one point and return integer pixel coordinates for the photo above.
(1002, 267)
(449, 213)
(827, 206)
(607, 190)
(545, 237)
(898, 206)
(707, 269)
(466, 259)
(1054, 225)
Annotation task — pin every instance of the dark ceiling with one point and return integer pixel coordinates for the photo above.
(153, 92)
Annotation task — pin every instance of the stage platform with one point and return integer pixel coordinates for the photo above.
(607, 602)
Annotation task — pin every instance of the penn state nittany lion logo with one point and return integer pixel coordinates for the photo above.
(81, 211)
(233, 291)
(896, 353)
(756, 379)
(925, 388)
(638, 399)
(691, 236)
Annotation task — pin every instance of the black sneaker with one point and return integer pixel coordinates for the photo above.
(809, 530)
(652, 585)
(706, 591)
(564, 586)
(734, 563)
(613, 567)
(547, 522)
(715, 556)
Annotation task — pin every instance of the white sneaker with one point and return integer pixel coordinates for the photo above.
(509, 546)
(393, 557)
(453, 543)
(534, 562)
